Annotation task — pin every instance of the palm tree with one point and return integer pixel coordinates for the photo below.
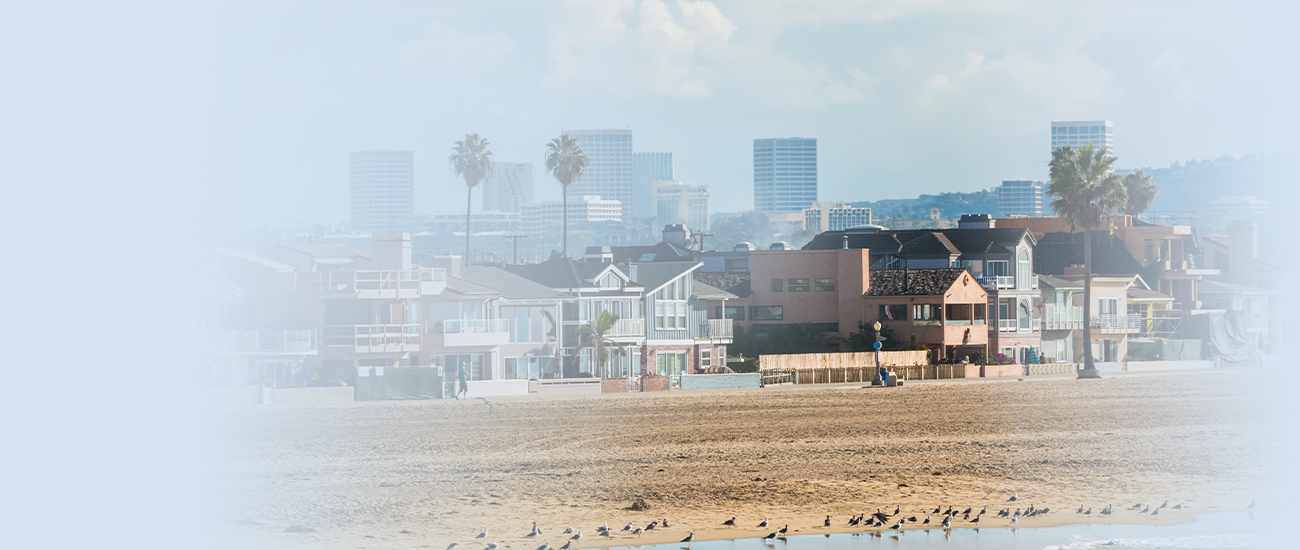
(1139, 193)
(470, 159)
(1085, 188)
(566, 161)
(593, 336)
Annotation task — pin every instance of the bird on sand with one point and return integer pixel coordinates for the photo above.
(577, 536)
(665, 522)
(897, 509)
(1015, 495)
(1165, 505)
(827, 523)
(927, 520)
(937, 509)
(1080, 510)
(488, 403)
(567, 545)
(566, 531)
(482, 534)
(628, 527)
(544, 546)
(947, 522)
(652, 525)
(784, 530)
(1014, 519)
(453, 546)
(689, 537)
(1178, 506)
(1155, 512)
(534, 532)
(1145, 510)
(764, 524)
(731, 521)
(898, 525)
(976, 520)
(1088, 513)
(638, 531)
(492, 546)
(1252, 505)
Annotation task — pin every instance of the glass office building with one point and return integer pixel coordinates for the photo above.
(1080, 132)
(648, 168)
(609, 166)
(382, 189)
(785, 174)
(1020, 199)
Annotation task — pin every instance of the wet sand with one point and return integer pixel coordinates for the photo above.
(428, 473)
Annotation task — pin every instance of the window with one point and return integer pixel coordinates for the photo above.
(671, 363)
(737, 313)
(892, 312)
(766, 313)
(706, 358)
(777, 285)
(924, 312)
(997, 267)
(1107, 306)
(1022, 271)
(610, 280)
(825, 285)
(799, 285)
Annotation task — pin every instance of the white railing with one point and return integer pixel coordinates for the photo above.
(716, 329)
(998, 281)
(1008, 325)
(1034, 282)
(465, 326)
(266, 341)
(374, 283)
(627, 328)
(373, 338)
(1062, 318)
(1117, 322)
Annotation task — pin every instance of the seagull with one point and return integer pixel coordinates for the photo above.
(577, 536)
(1252, 505)
(628, 527)
(665, 522)
(1155, 513)
(492, 546)
(1145, 510)
(731, 521)
(483, 534)
(976, 520)
(912, 519)
(783, 530)
(1014, 519)
(638, 531)
(488, 403)
(927, 520)
(605, 527)
(764, 524)
(1088, 513)
(771, 535)
(1080, 511)
(544, 546)
(897, 525)
(534, 532)
(967, 512)
(453, 546)
(938, 509)
(651, 526)
(566, 531)
(1165, 505)
(689, 537)
(897, 509)
(1014, 496)
(567, 545)
(1178, 506)
(827, 523)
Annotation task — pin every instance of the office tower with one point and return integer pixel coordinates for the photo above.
(785, 174)
(1020, 198)
(546, 217)
(512, 185)
(648, 168)
(1080, 132)
(609, 166)
(383, 189)
(834, 216)
(677, 203)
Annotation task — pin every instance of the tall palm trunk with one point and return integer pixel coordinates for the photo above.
(1089, 367)
(468, 200)
(564, 246)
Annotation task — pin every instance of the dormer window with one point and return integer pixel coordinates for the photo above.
(609, 281)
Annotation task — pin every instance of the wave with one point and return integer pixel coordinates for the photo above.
(1199, 542)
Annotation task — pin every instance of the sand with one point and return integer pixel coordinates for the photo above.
(428, 473)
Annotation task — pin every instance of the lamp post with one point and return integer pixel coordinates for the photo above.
(876, 345)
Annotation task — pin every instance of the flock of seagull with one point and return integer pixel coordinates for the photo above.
(878, 520)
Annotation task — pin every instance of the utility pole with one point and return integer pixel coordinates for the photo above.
(699, 240)
(515, 239)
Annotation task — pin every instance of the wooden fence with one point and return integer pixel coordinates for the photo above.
(853, 367)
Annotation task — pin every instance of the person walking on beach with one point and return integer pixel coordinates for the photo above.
(464, 385)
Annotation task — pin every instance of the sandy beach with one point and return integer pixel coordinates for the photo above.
(428, 473)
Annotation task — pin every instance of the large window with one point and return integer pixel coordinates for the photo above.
(892, 312)
(472, 363)
(766, 313)
(527, 368)
(670, 306)
(1022, 270)
(530, 324)
(1107, 306)
(925, 314)
(670, 363)
(825, 285)
(737, 313)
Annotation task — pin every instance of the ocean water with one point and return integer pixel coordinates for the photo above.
(1220, 531)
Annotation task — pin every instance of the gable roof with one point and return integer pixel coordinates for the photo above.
(914, 282)
(510, 285)
(663, 251)
(1057, 283)
(654, 275)
(708, 292)
(734, 282)
(1144, 295)
(564, 273)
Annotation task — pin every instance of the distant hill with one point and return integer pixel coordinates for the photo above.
(1190, 186)
(951, 205)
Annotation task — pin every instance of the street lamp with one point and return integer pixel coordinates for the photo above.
(876, 345)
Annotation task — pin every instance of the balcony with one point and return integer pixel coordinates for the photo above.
(1062, 318)
(271, 342)
(375, 283)
(717, 330)
(1117, 322)
(1008, 325)
(996, 282)
(627, 328)
(475, 332)
(372, 338)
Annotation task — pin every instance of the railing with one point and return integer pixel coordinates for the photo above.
(373, 338)
(999, 281)
(1117, 322)
(1034, 282)
(780, 375)
(1062, 318)
(265, 341)
(1008, 325)
(627, 328)
(374, 283)
(716, 329)
(467, 326)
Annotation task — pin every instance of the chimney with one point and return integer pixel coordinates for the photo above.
(1243, 250)
(975, 221)
(598, 255)
(844, 243)
(677, 234)
(390, 250)
(450, 263)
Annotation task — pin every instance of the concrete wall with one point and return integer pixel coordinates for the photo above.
(565, 387)
(842, 360)
(997, 371)
(339, 394)
(487, 388)
(718, 381)
(1052, 368)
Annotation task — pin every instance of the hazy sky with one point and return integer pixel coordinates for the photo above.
(905, 97)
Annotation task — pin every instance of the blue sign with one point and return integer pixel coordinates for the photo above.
(876, 345)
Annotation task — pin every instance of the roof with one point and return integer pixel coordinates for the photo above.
(1220, 287)
(913, 282)
(326, 249)
(1057, 251)
(511, 286)
(663, 251)
(653, 275)
(1057, 283)
(709, 292)
(932, 241)
(557, 272)
(252, 259)
(736, 283)
(1144, 295)
(461, 286)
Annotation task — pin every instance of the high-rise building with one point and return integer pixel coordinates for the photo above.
(609, 166)
(512, 185)
(648, 168)
(677, 203)
(1020, 198)
(382, 189)
(544, 217)
(834, 216)
(785, 174)
(1080, 132)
